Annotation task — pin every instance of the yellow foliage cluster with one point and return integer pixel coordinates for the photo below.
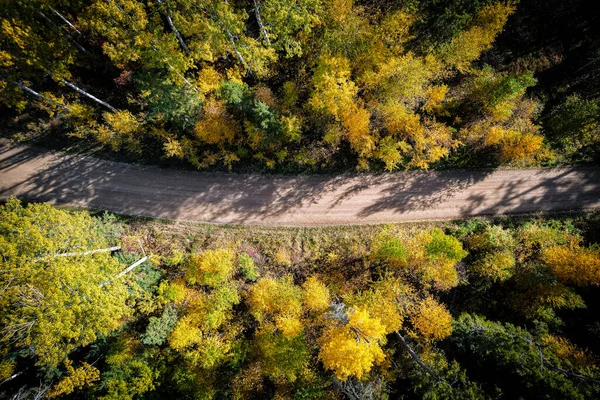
(364, 325)
(211, 267)
(316, 295)
(123, 350)
(355, 121)
(209, 80)
(433, 255)
(496, 266)
(403, 78)
(514, 145)
(205, 334)
(430, 140)
(494, 247)
(383, 300)
(279, 302)
(353, 349)
(569, 355)
(468, 45)
(283, 257)
(435, 96)
(121, 129)
(430, 255)
(7, 367)
(75, 379)
(543, 236)
(431, 320)
(185, 334)
(577, 265)
(334, 92)
(217, 126)
(346, 356)
(46, 298)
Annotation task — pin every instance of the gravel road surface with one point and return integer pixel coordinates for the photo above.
(65, 179)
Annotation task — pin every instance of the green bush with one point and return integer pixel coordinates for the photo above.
(248, 268)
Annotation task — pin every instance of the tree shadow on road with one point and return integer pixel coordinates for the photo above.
(421, 190)
(571, 188)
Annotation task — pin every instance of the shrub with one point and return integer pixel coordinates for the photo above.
(211, 267)
(248, 268)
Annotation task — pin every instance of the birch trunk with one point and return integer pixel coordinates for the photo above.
(260, 24)
(66, 35)
(66, 21)
(39, 96)
(89, 96)
(178, 35)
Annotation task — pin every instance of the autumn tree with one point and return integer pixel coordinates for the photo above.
(577, 265)
(431, 320)
(351, 344)
(278, 303)
(495, 249)
(56, 297)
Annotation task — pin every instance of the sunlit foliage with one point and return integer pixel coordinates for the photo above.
(51, 303)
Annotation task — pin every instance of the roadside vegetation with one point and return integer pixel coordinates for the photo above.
(306, 86)
(474, 309)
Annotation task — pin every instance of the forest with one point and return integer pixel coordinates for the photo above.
(95, 305)
(306, 85)
(475, 309)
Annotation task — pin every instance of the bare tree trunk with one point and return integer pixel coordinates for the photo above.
(232, 40)
(237, 53)
(86, 94)
(128, 269)
(39, 96)
(132, 266)
(260, 24)
(10, 378)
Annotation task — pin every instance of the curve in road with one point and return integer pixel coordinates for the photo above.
(74, 180)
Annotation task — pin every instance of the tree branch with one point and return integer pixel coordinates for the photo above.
(176, 31)
(82, 253)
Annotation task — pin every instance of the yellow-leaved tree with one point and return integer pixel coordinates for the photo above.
(469, 44)
(574, 264)
(431, 320)
(278, 303)
(334, 95)
(56, 297)
(353, 345)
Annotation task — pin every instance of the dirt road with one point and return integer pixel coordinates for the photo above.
(36, 174)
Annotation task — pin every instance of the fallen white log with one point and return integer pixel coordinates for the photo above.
(83, 253)
(132, 266)
(128, 269)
